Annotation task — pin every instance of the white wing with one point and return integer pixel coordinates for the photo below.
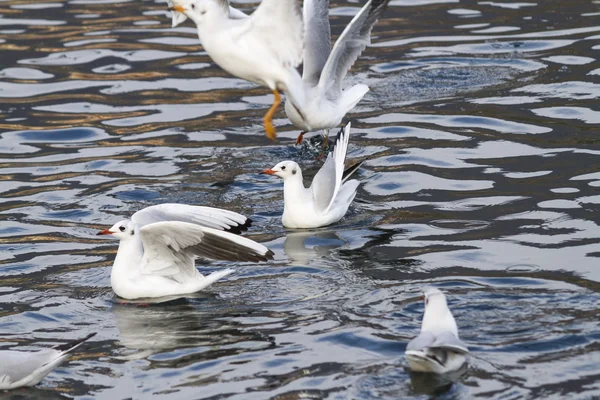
(317, 39)
(278, 25)
(171, 247)
(443, 340)
(327, 182)
(203, 216)
(350, 44)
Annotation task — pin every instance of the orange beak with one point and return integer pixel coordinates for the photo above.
(178, 9)
(104, 232)
(269, 172)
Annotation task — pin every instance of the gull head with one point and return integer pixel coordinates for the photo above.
(284, 170)
(198, 11)
(121, 230)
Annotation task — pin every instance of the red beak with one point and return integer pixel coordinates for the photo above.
(422, 296)
(269, 172)
(104, 232)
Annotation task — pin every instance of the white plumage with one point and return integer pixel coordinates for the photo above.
(28, 368)
(159, 244)
(264, 48)
(437, 349)
(329, 196)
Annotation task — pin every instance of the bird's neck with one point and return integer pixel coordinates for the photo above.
(129, 257)
(294, 191)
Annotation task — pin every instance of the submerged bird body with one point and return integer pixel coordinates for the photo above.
(159, 245)
(28, 368)
(264, 48)
(325, 103)
(437, 349)
(329, 196)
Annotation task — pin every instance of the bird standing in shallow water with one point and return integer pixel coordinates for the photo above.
(327, 199)
(264, 48)
(159, 244)
(437, 349)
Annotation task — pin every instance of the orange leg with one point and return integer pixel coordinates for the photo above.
(268, 120)
(300, 138)
(325, 142)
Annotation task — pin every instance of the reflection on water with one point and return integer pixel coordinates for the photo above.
(482, 178)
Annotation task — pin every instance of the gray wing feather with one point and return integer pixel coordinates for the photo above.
(447, 341)
(351, 43)
(423, 341)
(317, 39)
(171, 247)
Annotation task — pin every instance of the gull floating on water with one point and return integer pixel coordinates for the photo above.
(437, 349)
(324, 68)
(159, 244)
(28, 368)
(327, 199)
(264, 48)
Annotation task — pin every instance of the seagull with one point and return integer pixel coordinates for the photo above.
(28, 368)
(324, 68)
(158, 246)
(437, 349)
(327, 199)
(264, 48)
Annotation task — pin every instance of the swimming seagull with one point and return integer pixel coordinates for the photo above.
(28, 368)
(158, 246)
(264, 48)
(437, 349)
(327, 199)
(324, 68)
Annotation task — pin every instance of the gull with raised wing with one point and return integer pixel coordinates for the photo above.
(264, 48)
(327, 199)
(437, 349)
(324, 68)
(28, 368)
(159, 244)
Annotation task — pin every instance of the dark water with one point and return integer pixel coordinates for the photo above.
(483, 179)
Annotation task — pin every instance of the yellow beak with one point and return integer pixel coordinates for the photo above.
(178, 9)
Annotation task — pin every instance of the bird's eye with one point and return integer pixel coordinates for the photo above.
(193, 6)
(122, 228)
(283, 168)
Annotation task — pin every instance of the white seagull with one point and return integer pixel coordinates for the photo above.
(437, 349)
(159, 244)
(28, 368)
(324, 68)
(327, 199)
(264, 48)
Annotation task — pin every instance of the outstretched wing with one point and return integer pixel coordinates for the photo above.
(350, 45)
(204, 216)
(171, 247)
(327, 182)
(317, 39)
(447, 341)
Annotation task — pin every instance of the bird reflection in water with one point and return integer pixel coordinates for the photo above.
(433, 384)
(303, 246)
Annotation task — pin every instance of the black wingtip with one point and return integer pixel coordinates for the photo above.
(73, 344)
(238, 229)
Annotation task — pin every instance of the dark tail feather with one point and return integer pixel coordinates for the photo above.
(69, 346)
(352, 169)
(238, 229)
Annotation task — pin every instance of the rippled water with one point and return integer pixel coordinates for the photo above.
(483, 178)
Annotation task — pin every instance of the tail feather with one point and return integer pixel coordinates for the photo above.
(217, 275)
(351, 97)
(72, 345)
